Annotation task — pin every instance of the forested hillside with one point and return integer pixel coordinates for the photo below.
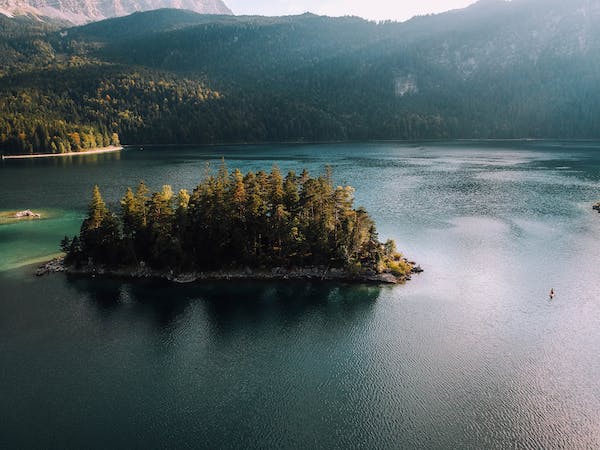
(520, 69)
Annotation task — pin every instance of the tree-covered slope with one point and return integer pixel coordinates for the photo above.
(520, 69)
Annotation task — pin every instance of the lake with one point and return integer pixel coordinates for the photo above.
(470, 354)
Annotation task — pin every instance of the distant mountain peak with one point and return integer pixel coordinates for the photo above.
(83, 11)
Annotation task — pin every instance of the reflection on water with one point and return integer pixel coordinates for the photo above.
(227, 305)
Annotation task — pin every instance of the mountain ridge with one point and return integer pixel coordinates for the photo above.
(501, 70)
(79, 12)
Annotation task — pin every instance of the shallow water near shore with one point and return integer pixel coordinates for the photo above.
(471, 353)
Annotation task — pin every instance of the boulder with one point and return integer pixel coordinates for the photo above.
(417, 269)
(27, 213)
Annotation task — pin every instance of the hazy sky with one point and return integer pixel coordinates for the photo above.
(370, 9)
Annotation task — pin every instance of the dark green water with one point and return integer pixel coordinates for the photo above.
(471, 354)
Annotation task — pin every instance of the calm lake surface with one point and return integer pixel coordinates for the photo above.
(470, 354)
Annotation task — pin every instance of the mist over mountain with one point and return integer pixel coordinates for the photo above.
(83, 11)
(519, 69)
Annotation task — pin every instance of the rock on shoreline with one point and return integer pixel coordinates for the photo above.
(308, 273)
(27, 213)
(55, 265)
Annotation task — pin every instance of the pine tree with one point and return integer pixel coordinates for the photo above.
(97, 210)
(291, 195)
(100, 232)
(65, 244)
(238, 196)
(161, 217)
(181, 215)
(276, 188)
(141, 199)
(130, 214)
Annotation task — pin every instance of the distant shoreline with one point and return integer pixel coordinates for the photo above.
(351, 141)
(97, 151)
(93, 151)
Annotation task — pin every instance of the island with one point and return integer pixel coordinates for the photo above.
(235, 226)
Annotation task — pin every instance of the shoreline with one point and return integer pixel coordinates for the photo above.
(33, 263)
(352, 141)
(93, 151)
(57, 265)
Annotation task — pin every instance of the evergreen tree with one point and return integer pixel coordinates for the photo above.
(97, 210)
(100, 232)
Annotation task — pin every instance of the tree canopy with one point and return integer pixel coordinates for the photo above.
(235, 220)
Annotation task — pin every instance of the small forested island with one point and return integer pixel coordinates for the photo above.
(234, 225)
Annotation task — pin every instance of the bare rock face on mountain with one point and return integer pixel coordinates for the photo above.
(83, 11)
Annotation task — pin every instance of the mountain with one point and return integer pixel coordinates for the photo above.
(83, 11)
(497, 69)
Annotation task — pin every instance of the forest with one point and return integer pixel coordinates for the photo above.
(493, 70)
(233, 220)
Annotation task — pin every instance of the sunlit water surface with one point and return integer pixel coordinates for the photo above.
(469, 354)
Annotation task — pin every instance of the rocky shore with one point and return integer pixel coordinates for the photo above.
(597, 207)
(27, 214)
(308, 273)
(10, 217)
(55, 265)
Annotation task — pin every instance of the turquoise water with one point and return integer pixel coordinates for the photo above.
(469, 354)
